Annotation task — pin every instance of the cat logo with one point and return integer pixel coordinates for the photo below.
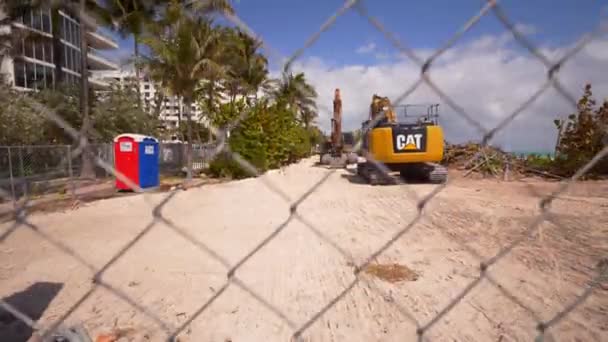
(411, 142)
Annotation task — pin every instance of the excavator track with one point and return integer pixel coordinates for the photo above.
(422, 172)
(439, 173)
(373, 175)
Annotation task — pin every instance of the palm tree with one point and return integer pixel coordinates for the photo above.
(249, 66)
(130, 17)
(210, 93)
(182, 54)
(133, 16)
(298, 95)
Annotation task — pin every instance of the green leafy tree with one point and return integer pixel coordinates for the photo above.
(22, 123)
(117, 114)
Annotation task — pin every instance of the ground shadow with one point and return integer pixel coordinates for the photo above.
(32, 301)
(321, 165)
(353, 178)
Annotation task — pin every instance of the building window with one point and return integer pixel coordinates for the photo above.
(39, 50)
(70, 58)
(68, 30)
(49, 74)
(65, 56)
(68, 78)
(77, 35)
(63, 29)
(40, 79)
(28, 48)
(36, 20)
(46, 22)
(27, 18)
(19, 49)
(19, 67)
(30, 75)
(48, 52)
(72, 32)
(75, 56)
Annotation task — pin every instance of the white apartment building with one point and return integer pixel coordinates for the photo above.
(172, 108)
(34, 65)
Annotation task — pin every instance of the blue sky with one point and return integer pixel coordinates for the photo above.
(286, 25)
(422, 24)
(487, 73)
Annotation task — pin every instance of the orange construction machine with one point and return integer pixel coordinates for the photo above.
(337, 150)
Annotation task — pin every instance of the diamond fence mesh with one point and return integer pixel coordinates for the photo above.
(23, 162)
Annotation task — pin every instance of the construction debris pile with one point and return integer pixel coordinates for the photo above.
(489, 161)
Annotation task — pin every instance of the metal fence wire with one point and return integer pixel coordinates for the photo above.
(32, 170)
(486, 265)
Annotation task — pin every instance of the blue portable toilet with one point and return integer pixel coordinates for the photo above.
(137, 157)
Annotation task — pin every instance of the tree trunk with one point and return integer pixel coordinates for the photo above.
(137, 71)
(187, 110)
(88, 170)
(210, 109)
(179, 120)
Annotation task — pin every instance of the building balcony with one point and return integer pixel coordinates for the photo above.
(98, 84)
(99, 41)
(97, 62)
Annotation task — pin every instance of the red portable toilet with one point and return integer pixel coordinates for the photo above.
(136, 157)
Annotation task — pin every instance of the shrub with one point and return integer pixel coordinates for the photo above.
(269, 137)
(582, 136)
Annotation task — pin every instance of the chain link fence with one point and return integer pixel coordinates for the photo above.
(23, 161)
(49, 173)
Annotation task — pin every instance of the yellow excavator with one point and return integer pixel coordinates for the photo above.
(412, 145)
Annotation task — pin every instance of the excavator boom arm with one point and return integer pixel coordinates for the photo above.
(380, 104)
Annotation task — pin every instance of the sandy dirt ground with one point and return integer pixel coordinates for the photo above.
(178, 257)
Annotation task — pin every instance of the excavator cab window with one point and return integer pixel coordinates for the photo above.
(348, 138)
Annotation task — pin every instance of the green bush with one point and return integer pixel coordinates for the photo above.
(539, 162)
(224, 166)
(269, 137)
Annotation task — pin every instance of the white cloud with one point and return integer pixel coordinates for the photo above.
(489, 78)
(367, 48)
